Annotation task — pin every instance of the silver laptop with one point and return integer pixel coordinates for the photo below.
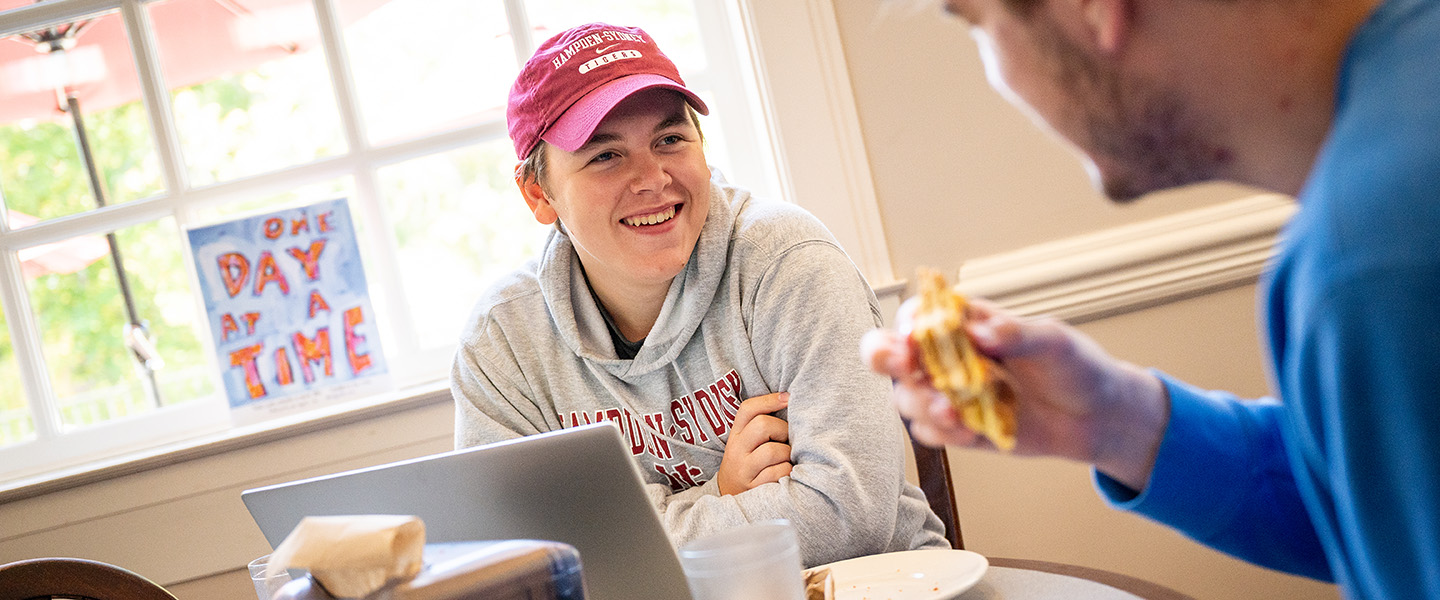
(577, 486)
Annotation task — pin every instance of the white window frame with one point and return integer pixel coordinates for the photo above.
(796, 75)
(804, 84)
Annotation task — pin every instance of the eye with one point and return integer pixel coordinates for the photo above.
(671, 139)
(604, 156)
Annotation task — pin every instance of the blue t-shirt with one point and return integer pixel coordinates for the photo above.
(1341, 480)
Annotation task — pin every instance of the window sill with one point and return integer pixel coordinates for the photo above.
(228, 440)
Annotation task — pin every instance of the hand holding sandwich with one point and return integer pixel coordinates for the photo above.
(1071, 399)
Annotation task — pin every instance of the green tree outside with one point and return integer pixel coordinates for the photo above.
(81, 315)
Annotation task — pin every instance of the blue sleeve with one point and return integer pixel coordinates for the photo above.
(1366, 378)
(1223, 479)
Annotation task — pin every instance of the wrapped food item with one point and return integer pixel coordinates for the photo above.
(975, 384)
(354, 555)
(492, 570)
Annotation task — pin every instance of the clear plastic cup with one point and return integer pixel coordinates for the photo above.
(759, 560)
(266, 586)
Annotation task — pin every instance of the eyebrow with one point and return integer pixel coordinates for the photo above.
(677, 118)
(597, 139)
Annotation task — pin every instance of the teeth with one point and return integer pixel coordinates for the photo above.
(652, 219)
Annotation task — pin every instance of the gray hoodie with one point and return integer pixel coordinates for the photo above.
(768, 303)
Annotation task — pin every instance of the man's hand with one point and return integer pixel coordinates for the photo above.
(758, 451)
(1072, 399)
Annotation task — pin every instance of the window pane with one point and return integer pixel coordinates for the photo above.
(459, 223)
(250, 87)
(83, 320)
(15, 422)
(343, 187)
(671, 22)
(456, 73)
(42, 173)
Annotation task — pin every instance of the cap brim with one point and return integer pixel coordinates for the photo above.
(575, 127)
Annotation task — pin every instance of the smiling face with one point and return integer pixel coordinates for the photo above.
(1138, 134)
(634, 198)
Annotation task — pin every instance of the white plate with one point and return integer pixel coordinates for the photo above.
(910, 575)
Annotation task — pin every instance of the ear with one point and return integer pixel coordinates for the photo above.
(535, 197)
(1108, 23)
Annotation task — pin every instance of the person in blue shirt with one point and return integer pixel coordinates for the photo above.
(1336, 102)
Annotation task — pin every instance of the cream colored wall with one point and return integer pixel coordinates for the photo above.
(959, 174)
(184, 526)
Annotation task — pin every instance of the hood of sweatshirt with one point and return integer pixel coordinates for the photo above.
(562, 283)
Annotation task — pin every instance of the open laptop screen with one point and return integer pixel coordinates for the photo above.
(576, 486)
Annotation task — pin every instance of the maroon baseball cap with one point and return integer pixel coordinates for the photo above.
(576, 78)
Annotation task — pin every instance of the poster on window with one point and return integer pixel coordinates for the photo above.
(289, 310)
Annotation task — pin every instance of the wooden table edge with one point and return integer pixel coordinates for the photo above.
(1148, 590)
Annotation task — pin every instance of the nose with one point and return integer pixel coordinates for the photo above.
(650, 173)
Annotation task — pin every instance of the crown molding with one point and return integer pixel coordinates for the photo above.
(1134, 266)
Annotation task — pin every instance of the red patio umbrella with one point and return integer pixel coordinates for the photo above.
(199, 40)
(68, 256)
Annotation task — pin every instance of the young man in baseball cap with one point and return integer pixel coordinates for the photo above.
(716, 329)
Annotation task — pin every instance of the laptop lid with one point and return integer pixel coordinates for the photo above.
(577, 486)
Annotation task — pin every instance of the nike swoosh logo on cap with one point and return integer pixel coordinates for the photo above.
(603, 50)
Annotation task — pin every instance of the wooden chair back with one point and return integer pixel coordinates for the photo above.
(932, 465)
(75, 578)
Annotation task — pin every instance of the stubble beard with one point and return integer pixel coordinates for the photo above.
(1144, 132)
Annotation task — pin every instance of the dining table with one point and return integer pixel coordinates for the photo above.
(1023, 579)
(953, 574)
(528, 569)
